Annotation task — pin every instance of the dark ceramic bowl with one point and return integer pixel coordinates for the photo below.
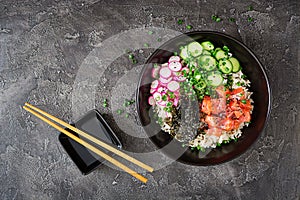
(259, 86)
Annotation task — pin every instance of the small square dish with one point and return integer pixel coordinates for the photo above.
(93, 124)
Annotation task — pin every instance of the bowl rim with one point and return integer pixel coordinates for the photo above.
(262, 68)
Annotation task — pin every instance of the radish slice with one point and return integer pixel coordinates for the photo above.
(161, 89)
(151, 100)
(175, 66)
(157, 97)
(165, 81)
(155, 72)
(165, 72)
(165, 65)
(162, 103)
(152, 90)
(174, 59)
(175, 103)
(173, 86)
(155, 84)
(180, 78)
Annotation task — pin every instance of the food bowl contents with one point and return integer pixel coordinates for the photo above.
(201, 96)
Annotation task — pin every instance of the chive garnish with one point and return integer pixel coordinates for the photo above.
(250, 19)
(179, 21)
(189, 27)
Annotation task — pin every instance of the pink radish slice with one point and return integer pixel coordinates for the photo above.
(175, 66)
(155, 84)
(173, 86)
(175, 103)
(165, 72)
(174, 59)
(151, 100)
(152, 90)
(180, 78)
(165, 81)
(165, 65)
(161, 89)
(155, 72)
(157, 97)
(162, 103)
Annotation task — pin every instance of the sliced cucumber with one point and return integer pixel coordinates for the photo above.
(200, 85)
(184, 53)
(207, 45)
(225, 66)
(215, 79)
(207, 62)
(220, 54)
(205, 52)
(235, 64)
(195, 49)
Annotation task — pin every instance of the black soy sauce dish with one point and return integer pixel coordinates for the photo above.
(93, 124)
(251, 67)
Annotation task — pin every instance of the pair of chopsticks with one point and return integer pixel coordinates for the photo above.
(38, 113)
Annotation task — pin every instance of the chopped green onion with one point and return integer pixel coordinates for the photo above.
(131, 56)
(119, 111)
(189, 27)
(250, 8)
(150, 32)
(250, 19)
(225, 48)
(215, 18)
(158, 39)
(231, 19)
(244, 101)
(179, 21)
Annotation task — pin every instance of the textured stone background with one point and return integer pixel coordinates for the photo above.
(42, 45)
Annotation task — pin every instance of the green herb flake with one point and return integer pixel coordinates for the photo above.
(175, 53)
(250, 19)
(146, 45)
(216, 18)
(119, 111)
(179, 21)
(250, 8)
(158, 39)
(244, 101)
(131, 56)
(189, 27)
(150, 32)
(126, 115)
(231, 19)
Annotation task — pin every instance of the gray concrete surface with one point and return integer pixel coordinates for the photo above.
(43, 45)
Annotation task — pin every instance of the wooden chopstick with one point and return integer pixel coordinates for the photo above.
(93, 139)
(87, 145)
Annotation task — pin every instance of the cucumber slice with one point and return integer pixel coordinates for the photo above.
(195, 49)
(207, 62)
(235, 64)
(225, 66)
(207, 45)
(205, 52)
(215, 79)
(200, 85)
(220, 54)
(184, 53)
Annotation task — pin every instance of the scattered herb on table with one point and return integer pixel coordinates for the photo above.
(250, 19)
(215, 18)
(231, 19)
(189, 27)
(179, 21)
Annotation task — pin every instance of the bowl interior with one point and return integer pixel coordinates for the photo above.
(251, 67)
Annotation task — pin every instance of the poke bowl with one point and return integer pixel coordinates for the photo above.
(203, 98)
